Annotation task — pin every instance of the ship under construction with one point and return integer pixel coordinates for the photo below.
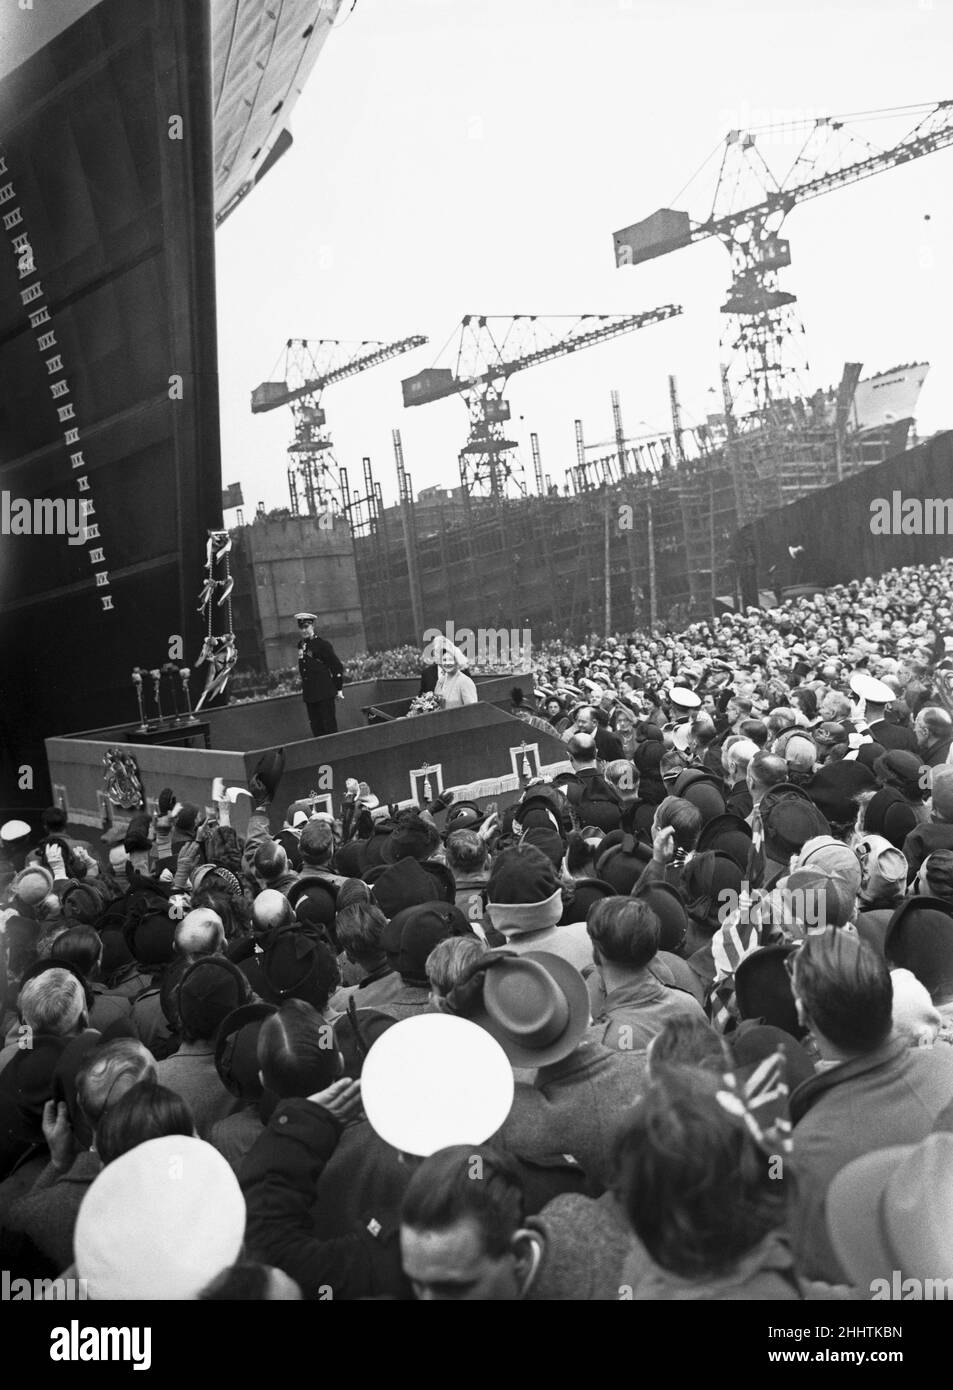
(640, 530)
(640, 533)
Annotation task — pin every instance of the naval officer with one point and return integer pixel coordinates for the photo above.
(322, 676)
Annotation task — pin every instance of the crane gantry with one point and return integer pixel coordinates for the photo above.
(491, 349)
(310, 367)
(749, 208)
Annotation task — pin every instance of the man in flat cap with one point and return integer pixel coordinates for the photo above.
(322, 676)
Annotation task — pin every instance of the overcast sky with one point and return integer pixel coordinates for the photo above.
(475, 156)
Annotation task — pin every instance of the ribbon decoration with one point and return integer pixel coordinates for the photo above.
(219, 651)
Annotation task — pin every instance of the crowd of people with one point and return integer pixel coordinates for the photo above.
(675, 1025)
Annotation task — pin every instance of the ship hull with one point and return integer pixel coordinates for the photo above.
(108, 366)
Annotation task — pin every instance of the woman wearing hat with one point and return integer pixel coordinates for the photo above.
(454, 687)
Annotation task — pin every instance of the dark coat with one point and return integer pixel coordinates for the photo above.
(939, 755)
(923, 840)
(608, 745)
(319, 666)
(281, 1180)
(890, 735)
(46, 1215)
(738, 800)
(891, 1096)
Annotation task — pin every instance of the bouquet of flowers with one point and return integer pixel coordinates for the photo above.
(428, 703)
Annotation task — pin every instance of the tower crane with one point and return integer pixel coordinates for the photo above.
(310, 367)
(489, 351)
(749, 208)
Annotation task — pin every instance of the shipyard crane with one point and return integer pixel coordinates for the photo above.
(749, 207)
(310, 367)
(489, 351)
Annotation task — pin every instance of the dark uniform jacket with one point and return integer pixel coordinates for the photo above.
(891, 735)
(322, 674)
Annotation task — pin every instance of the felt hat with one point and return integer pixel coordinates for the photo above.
(413, 838)
(707, 879)
(728, 833)
(669, 907)
(891, 1212)
(763, 989)
(209, 990)
(920, 939)
(703, 790)
(889, 814)
(789, 822)
(356, 1032)
(236, 1049)
(396, 886)
(835, 787)
(586, 891)
(463, 815)
(297, 963)
(411, 935)
(536, 1006)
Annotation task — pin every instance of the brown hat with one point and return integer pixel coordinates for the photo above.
(536, 1005)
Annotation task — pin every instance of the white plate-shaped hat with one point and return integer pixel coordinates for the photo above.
(435, 1080)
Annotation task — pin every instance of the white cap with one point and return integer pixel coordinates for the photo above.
(13, 830)
(435, 1080)
(306, 617)
(868, 688)
(160, 1222)
(684, 698)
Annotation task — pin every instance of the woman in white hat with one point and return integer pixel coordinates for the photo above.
(454, 687)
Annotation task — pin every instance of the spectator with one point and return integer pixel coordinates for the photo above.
(870, 1092)
(703, 1195)
(625, 940)
(208, 991)
(45, 1217)
(462, 1236)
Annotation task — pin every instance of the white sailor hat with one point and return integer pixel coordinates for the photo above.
(13, 830)
(433, 1081)
(306, 617)
(683, 698)
(868, 688)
